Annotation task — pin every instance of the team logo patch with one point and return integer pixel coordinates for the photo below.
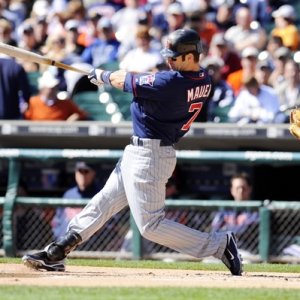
(148, 79)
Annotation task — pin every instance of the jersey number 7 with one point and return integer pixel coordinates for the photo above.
(194, 107)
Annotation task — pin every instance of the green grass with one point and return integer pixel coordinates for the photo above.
(281, 268)
(74, 293)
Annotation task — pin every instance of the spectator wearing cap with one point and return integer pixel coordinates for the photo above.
(244, 34)
(142, 58)
(71, 45)
(255, 103)
(263, 72)
(221, 97)
(175, 17)
(288, 91)
(248, 62)
(86, 187)
(274, 42)
(220, 47)
(28, 42)
(285, 17)
(105, 48)
(280, 56)
(47, 107)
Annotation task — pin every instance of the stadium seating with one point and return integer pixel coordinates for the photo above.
(96, 108)
(32, 77)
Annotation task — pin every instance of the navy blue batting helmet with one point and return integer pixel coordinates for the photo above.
(182, 41)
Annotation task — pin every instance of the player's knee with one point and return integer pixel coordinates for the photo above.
(61, 248)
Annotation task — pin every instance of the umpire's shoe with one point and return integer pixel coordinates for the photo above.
(231, 257)
(40, 261)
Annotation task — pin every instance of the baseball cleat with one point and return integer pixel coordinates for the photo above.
(231, 257)
(40, 261)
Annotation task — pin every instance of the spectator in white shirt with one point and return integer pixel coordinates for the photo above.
(255, 104)
(142, 58)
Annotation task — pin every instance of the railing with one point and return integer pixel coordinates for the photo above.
(269, 239)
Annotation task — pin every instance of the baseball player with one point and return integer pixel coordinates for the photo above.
(163, 108)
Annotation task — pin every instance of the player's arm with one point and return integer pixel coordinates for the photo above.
(115, 79)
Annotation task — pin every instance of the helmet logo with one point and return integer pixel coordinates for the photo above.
(168, 44)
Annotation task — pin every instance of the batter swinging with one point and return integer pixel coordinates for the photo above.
(163, 108)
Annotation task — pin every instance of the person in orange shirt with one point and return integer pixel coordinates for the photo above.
(285, 17)
(47, 107)
(204, 28)
(249, 61)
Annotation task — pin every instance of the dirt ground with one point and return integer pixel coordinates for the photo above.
(16, 274)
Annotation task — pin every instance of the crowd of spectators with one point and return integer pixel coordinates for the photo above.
(251, 45)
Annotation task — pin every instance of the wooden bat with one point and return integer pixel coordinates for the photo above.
(27, 55)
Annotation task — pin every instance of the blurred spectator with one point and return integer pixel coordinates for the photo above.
(249, 61)
(285, 18)
(222, 96)
(224, 18)
(160, 18)
(130, 43)
(288, 91)
(175, 17)
(72, 51)
(108, 236)
(246, 33)
(28, 42)
(263, 72)
(14, 88)
(142, 58)
(85, 188)
(205, 29)
(78, 12)
(72, 48)
(47, 107)
(281, 55)
(274, 42)
(91, 34)
(5, 33)
(255, 104)
(54, 48)
(243, 223)
(220, 47)
(105, 48)
(124, 20)
(13, 17)
(40, 31)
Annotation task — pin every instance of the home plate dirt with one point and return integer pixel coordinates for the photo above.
(17, 274)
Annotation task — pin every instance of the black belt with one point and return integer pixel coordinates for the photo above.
(140, 142)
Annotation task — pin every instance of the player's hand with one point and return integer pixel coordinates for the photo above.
(95, 76)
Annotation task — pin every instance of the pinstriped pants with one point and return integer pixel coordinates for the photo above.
(138, 180)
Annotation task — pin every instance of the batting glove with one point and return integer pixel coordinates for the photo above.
(95, 76)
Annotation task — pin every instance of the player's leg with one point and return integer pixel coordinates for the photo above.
(150, 169)
(109, 201)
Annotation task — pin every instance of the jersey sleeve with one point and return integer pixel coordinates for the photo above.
(149, 86)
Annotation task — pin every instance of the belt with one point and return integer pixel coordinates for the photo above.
(140, 142)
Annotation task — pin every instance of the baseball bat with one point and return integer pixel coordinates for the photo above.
(30, 56)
